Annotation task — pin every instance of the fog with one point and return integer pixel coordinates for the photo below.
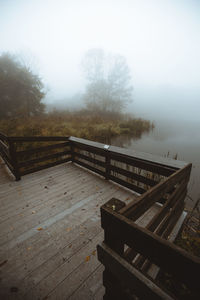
(159, 39)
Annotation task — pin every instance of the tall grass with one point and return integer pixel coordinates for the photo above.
(83, 124)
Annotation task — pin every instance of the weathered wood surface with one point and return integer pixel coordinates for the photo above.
(58, 261)
(163, 161)
(164, 254)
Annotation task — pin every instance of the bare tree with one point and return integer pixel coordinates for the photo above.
(109, 82)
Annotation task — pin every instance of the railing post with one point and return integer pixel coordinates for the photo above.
(72, 151)
(107, 161)
(109, 279)
(13, 156)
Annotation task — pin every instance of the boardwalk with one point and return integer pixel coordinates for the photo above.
(49, 228)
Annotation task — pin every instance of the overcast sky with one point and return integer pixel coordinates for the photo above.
(159, 38)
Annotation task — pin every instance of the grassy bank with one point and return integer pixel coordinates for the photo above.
(80, 124)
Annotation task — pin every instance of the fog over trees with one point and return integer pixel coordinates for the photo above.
(109, 85)
(21, 91)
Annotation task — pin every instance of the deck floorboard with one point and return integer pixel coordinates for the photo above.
(49, 229)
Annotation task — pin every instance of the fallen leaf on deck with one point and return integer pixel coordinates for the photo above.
(70, 246)
(33, 212)
(39, 228)
(94, 252)
(3, 263)
(87, 258)
(68, 229)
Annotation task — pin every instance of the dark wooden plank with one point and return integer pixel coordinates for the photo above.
(128, 185)
(93, 169)
(49, 165)
(89, 148)
(168, 222)
(41, 159)
(142, 164)
(37, 138)
(90, 159)
(128, 275)
(6, 158)
(135, 210)
(14, 160)
(133, 175)
(3, 137)
(162, 161)
(42, 149)
(179, 263)
(147, 157)
(4, 147)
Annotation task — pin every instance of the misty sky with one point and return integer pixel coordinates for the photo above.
(159, 38)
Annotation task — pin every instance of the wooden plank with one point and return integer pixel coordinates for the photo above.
(133, 175)
(60, 283)
(128, 275)
(163, 161)
(99, 151)
(169, 203)
(142, 164)
(147, 157)
(90, 287)
(90, 159)
(7, 160)
(128, 185)
(179, 262)
(3, 137)
(37, 138)
(153, 195)
(41, 149)
(4, 147)
(49, 165)
(41, 159)
(93, 169)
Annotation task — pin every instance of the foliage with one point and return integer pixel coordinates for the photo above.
(21, 91)
(109, 82)
(81, 124)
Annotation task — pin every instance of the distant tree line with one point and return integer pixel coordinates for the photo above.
(109, 88)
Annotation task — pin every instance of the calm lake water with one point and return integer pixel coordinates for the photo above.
(171, 138)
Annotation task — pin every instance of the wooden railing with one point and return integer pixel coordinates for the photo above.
(128, 251)
(131, 253)
(136, 171)
(24, 155)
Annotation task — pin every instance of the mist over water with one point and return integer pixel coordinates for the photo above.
(172, 138)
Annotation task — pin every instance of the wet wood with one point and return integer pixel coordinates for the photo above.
(63, 201)
(156, 249)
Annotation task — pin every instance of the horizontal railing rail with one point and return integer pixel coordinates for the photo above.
(23, 156)
(128, 168)
(127, 268)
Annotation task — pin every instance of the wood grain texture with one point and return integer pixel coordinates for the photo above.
(49, 225)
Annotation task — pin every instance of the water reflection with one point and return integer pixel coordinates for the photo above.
(179, 139)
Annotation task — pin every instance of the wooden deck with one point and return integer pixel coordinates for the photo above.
(49, 228)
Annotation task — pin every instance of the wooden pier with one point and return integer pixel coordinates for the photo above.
(50, 220)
